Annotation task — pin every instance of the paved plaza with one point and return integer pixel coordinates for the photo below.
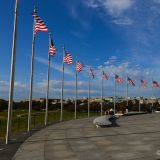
(137, 137)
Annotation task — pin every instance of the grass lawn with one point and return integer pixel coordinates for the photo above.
(20, 119)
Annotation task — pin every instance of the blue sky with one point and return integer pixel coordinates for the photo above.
(121, 36)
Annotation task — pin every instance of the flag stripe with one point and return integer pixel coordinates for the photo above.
(68, 58)
(118, 79)
(79, 66)
(105, 76)
(156, 84)
(143, 83)
(130, 81)
(39, 25)
(91, 73)
(52, 49)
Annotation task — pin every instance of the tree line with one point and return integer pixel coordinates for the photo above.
(81, 106)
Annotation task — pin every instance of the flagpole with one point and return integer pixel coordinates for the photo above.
(152, 92)
(89, 93)
(76, 91)
(48, 78)
(102, 94)
(114, 95)
(62, 85)
(13, 61)
(152, 96)
(127, 89)
(139, 101)
(31, 77)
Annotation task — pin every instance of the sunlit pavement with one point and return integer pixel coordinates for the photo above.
(137, 137)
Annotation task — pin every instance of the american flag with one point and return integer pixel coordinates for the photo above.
(130, 81)
(39, 25)
(52, 49)
(79, 66)
(143, 83)
(105, 76)
(156, 84)
(91, 73)
(118, 79)
(68, 58)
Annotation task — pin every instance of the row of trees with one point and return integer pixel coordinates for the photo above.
(69, 105)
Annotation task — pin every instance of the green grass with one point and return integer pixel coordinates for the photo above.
(20, 123)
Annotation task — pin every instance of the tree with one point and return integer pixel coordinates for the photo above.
(3, 105)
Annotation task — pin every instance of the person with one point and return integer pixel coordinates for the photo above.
(111, 112)
(107, 112)
(112, 118)
(127, 109)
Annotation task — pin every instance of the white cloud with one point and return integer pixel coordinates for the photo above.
(54, 65)
(77, 34)
(92, 3)
(122, 21)
(57, 83)
(17, 85)
(69, 88)
(157, 1)
(111, 60)
(114, 65)
(21, 89)
(115, 8)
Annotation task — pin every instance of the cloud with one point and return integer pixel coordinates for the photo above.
(69, 88)
(92, 3)
(57, 83)
(123, 21)
(54, 65)
(77, 34)
(115, 8)
(157, 1)
(39, 89)
(111, 60)
(73, 8)
(17, 85)
(122, 67)
(21, 90)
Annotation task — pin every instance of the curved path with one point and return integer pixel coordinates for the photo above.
(138, 137)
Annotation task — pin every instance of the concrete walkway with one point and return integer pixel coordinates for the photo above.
(138, 137)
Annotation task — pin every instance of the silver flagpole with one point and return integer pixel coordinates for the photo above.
(152, 96)
(48, 77)
(127, 88)
(62, 85)
(152, 93)
(102, 95)
(13, 61)
(89, 93)
(31, 76)
(114, 95)
(76, 92)
(139, 101)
